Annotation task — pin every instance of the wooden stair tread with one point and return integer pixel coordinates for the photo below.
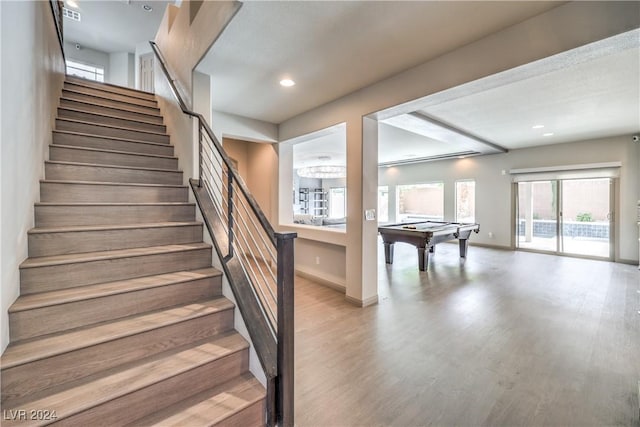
(117, 184)
(213, 405)
(109, 255)
(107, 227)
(115, 138)
(105, 98)
(103, 150)
(23, 352)
(124, 128)
(113, 204)
(124, 110)
(63, 296)
(93, 393)
(93, 113)
(75, 80)
(98, 165)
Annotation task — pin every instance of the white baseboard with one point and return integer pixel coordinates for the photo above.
(322, 278)
(362, 303)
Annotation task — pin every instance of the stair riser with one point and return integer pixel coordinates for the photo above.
(111, 111)
(73, 242)
(57, 318)
(95, 129)
(108, 120)
(50, 278)
(250, 416)
(111, 95)
(106, 143)
(102, 174)
(157, 396)
(83, 97)
(64, 215)
(112, 89)
(63, 154)
(88, 193)
(23, 380)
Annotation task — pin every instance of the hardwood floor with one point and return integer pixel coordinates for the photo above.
(502, 339)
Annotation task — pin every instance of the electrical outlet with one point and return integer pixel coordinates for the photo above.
(317, 260)
(491, 234)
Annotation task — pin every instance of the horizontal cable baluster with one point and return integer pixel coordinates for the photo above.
(239, 219)
(257, 246)
(268, 246)
(263, 300)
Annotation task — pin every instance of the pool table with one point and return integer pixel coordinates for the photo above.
(425, 235)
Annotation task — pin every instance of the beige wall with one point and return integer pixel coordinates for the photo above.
(566, 27)
(32, 71)
(258, 167)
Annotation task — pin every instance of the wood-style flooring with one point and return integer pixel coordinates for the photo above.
(502, 339)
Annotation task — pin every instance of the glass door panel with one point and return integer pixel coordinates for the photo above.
(586, 214)
(537, 215)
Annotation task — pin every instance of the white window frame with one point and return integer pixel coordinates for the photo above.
(89, 71)
(456, 199)
(418, 217)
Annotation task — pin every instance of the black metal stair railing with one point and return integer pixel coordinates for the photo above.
(56, 10)
(258, 261)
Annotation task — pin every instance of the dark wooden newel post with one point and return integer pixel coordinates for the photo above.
(284, 384)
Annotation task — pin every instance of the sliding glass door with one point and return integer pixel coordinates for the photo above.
(571, 216)
(586, 217)
(538, 215)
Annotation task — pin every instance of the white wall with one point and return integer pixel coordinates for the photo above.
(88, 56)
(31, 76)
(238, 127)
(494, 190)
(566, 27)
(121, 69)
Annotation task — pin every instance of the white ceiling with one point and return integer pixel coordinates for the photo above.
(114, 25)
(332, 48)
(588, 100)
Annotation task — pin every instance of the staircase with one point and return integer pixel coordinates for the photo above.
(121, 318)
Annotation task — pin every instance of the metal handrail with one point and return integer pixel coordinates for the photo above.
(56, 10)
(225, 211)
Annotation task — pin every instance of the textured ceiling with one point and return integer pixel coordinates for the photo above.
(333, 48)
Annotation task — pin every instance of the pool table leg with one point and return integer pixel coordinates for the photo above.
(464, 244)
(388, 252)
(423, 258)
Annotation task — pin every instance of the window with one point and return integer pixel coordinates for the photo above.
(466, 201)
(90, 72)
(418, 202)
(338, 202)
(383, 203)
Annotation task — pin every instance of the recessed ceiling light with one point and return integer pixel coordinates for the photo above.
(548, 134)
(537, 126)
(287, 82)
(147, 7)
(72, 4)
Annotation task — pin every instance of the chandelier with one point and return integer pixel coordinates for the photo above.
(323, 172)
